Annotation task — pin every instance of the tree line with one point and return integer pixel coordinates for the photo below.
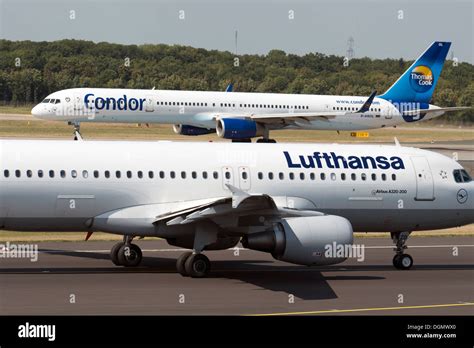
(29, 71)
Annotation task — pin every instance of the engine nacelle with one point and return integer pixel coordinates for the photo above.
(238, 128)
(304, 240)
(184, 129)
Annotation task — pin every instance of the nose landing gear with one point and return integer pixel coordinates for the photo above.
(77, 130)
(401, 260)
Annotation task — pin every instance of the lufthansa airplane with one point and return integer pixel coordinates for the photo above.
(242, 116)
(290, 200)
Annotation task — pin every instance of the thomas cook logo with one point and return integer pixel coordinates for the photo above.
(421, 78)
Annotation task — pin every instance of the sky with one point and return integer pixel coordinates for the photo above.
(379, 28)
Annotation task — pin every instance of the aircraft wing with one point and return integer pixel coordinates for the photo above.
(239, 204)
(428, 111)
(305, 116)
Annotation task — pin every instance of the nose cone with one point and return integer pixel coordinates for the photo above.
(36, 111)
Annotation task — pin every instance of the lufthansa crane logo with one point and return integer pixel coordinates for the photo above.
(462, 196)
(421, 78)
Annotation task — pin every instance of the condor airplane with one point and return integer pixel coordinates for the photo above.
(290, 200)
(242, 116)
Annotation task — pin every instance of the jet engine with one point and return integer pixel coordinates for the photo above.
(315, 240)
(184, 129)
(238, 128)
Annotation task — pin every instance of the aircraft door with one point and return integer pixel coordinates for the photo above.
(149, 103)
(78, 102)
(227, 177)
(244, 178)
(424, 179)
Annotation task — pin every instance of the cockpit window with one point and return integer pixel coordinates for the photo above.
(58, 101)
(465, 176)
(46, 101)
(52, 101)
(460, 175)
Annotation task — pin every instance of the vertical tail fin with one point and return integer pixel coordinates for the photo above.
(417, 84)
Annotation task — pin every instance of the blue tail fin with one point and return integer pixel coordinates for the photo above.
(417, 84)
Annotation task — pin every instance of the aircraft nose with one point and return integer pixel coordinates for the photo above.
(38, 111)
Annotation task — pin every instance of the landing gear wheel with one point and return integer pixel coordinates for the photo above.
(114, 254)
(197, 265)
(405, 261)
(130, 255)
(402, 261)
(180, 263)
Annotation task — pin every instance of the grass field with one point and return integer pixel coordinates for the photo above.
(25, 128)
(24, 109)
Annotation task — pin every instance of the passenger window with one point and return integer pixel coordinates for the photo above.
(194, 175)
(172, 174)
(281, 176)
(129, 174)
(270, 175)
(384, 176)
(215, 175)
(394, 177)
(244, 175)
(40, 173)
(374, 176)
(227, 175)
(17, 173)
(302, 176)
(162, 174)
(204, 175)
(118, 174)
(150, 174)
(363, 176)
(140, 174)
(353, 176)
(333, 176)
(62, 173)
(183, 175)
(323, 176)
(260, 175)
(96, 174)
(29, 173)
(343, 176)
(6, 173)
(73, 173)
(85, 174)
(107, 174)
(51, 173)
(312, 176)
(292, 176)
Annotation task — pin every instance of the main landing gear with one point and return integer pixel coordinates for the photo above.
(268, 141)
(193, 265)
(401, 260)
(125, 253)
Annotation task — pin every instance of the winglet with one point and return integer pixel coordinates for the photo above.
(230, 87)
(397, 143)
(238, 196)
(366, 106)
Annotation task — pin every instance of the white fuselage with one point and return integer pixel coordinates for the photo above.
(62, 185)
(201, 109)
